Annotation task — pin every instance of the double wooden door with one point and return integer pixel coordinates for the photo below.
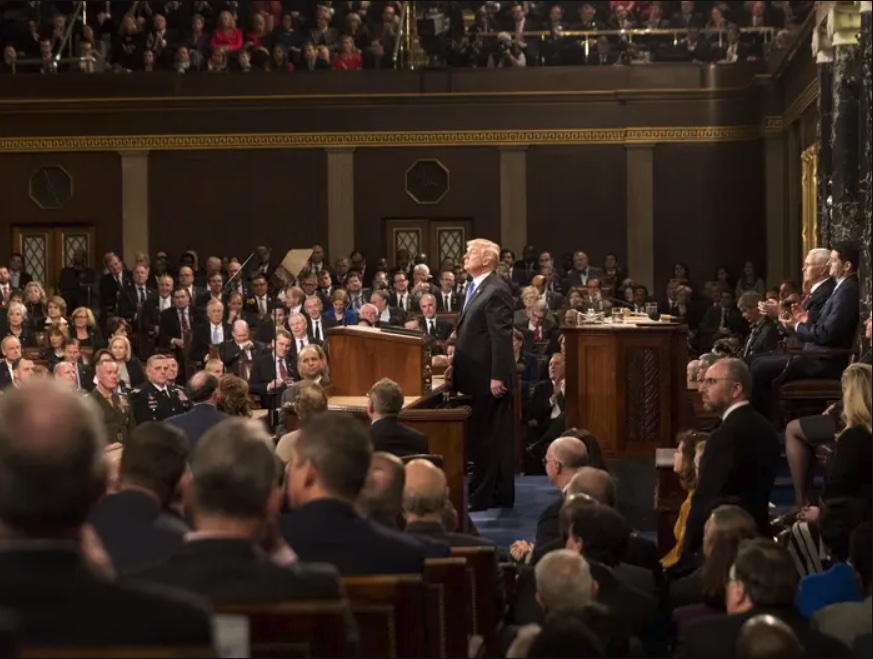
(47, 250)
(439, 239)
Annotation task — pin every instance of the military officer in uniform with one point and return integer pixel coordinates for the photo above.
(154, 401)
(117, 416)
(173, 384)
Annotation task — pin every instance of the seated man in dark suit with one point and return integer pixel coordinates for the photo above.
(525, 362)
(239, 346)
(835, 327)
(272, 372)
(388, 315)
(763, 580)
(52, 471)
(384, 403)
(764, 336)
(435, 328)
(328, 468)
(133, 524)
(234, 496)
(211, 333)
(203, 394)
(741, 455)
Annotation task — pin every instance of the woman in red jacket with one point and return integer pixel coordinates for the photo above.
(227, 35)
(348, 58)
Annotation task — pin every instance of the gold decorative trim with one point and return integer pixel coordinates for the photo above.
(772, 125)
(809, 199)
(537, 137)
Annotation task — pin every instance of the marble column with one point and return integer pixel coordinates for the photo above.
(513, 198)
(845, 222)
(823, 139)
(866, 153)
(134, 204)
(340, 201)
(640, 214)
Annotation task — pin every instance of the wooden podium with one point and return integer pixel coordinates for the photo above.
(360, 356)
(363, 355)
(626, 384)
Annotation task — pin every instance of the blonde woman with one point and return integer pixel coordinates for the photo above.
(130, 371)
(311, 400)
(849, 468)
(85, 330)
(35, 301)
(529, 296)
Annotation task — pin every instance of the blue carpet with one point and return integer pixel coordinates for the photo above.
(635, 487)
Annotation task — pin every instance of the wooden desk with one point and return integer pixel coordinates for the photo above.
(626, 383)
(445, 427)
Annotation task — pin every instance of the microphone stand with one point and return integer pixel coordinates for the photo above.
(238, 273)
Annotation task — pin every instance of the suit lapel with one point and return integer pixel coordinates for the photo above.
(477, 293)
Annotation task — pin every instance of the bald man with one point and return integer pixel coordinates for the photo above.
(204, 395)
(425, 499)
(768, 636)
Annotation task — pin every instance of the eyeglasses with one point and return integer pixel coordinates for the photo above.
(711, 382)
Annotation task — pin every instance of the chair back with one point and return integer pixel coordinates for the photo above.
(295, 629)
(485, 596)
(390, 611)
(451, 581)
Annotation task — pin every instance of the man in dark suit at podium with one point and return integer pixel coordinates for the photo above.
(483, 368)
(384, 403)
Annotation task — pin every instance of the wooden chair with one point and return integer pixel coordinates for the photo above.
(137, 651)
(812, 395)
(509, 572)
(295, 629)
(437, 460)
(452, 583)
(486, 597)
(391, 615)
(32, 353)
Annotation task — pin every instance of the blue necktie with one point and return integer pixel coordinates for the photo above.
(470, 290)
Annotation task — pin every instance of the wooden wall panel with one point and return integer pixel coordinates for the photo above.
(709, 208)
(96, 199)
(380, 192)
(576, 199)
(228, 202)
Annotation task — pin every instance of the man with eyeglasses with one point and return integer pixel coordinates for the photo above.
(741, 455)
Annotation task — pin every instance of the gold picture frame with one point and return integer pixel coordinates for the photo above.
(809, 199)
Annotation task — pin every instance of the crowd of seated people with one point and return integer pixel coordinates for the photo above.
(159, 369)
(218, 36)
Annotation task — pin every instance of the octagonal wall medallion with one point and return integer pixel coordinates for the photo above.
(427, 181)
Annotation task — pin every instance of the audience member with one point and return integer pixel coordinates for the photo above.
(384, 403)
(204, 394)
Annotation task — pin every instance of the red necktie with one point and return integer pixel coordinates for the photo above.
(283, 372)
(806, 297)
(537, 334)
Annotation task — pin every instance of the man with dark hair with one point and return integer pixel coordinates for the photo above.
(328, 468)
(51, 472)
(741, 455)
(763, 580)
(384, 403)
(234, 497)
(134, 525)
(204, 396)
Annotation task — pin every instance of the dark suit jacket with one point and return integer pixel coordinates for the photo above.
(740, 461)
(196, 421)
(128, 301)
(483, 351)
(201, 339)
(389, 435)
(574, 277)
(456, 301)
(45, 588)
(838, 322)
(171, 327)
(442, 331)
(816, 302)
(234, 570)
(436, 531)
(264, 372)
(717, 636)
(763, 339)
(332, 531)
(292, 352)
(134, 530)
(529, 369)
(326, 324)
(230, 352)
(111, 293)
(540, 409)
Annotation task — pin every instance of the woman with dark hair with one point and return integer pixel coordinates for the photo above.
(750, 281)
(56, 337)
(686, 461)
(681, 271)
